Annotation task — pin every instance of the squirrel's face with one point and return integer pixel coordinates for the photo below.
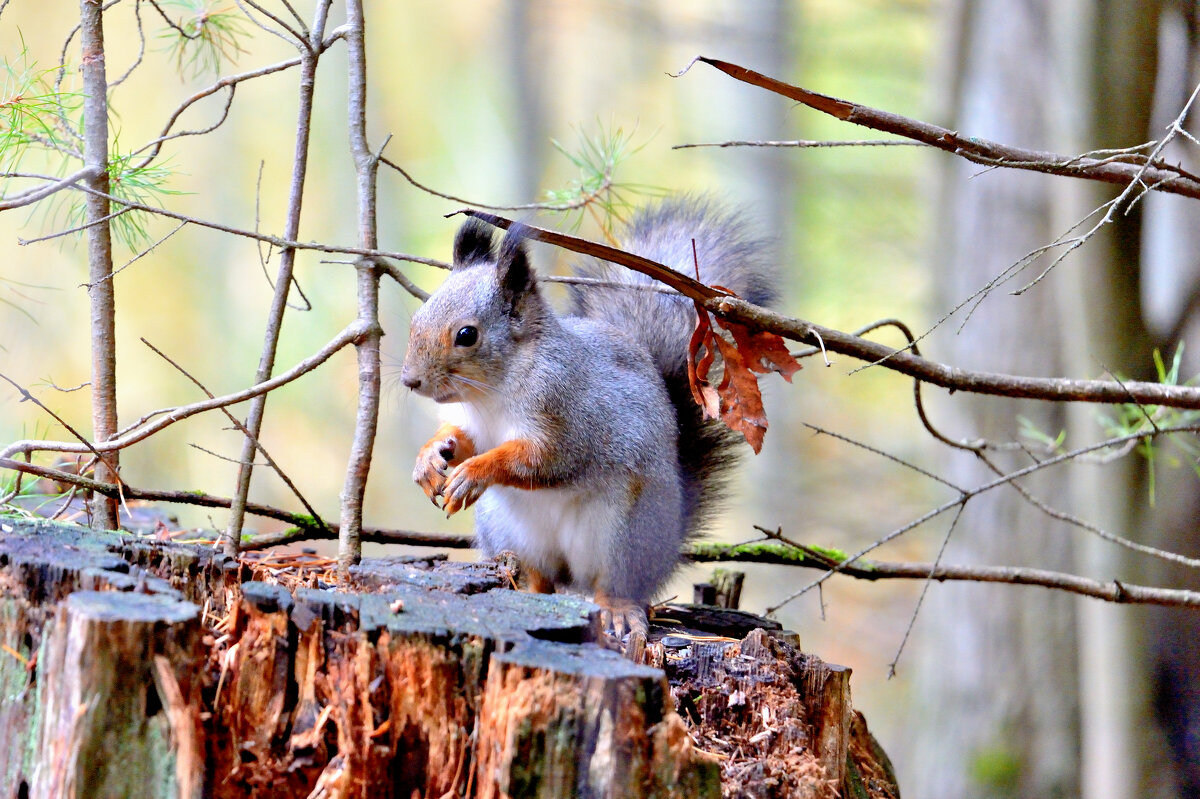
(461, 340)
(450, 343)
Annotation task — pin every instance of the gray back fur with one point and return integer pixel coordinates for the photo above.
(729, 256)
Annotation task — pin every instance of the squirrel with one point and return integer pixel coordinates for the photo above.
(576, 436)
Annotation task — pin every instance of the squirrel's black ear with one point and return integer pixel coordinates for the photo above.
(512, 266)
(473, 244)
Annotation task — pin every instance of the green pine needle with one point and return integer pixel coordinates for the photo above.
(597, 156)
(204, 38)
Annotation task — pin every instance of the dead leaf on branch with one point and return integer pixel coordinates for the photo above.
(764, 352)
(702, 391)
(736, 400)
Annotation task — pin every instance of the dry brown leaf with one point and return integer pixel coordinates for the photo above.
(741, 401)
(702, 391)
(764, 352)
(737, 400)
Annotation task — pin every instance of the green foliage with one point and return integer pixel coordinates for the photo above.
(31, 489)
(596, 190)
(1131, 419)
(205, 37)
(1031, 431)
(31, 109)
(998, 769)
(139, 182)
(130, 178)
(33, 113)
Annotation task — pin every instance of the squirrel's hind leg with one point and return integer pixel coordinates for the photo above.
(622, 615)
(536, 581)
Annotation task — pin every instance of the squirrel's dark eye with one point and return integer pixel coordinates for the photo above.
(466, 337)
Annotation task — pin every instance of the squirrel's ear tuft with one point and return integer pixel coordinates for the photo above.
(473, 244)
(512, 266)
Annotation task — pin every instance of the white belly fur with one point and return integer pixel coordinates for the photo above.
(552, 526)
(547, 527)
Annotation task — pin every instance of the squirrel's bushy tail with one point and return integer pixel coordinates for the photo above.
(728, 256)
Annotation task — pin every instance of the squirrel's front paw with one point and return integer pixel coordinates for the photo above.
(432, 463)
(465, 484)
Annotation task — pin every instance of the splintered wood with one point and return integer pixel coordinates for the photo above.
(779, 721)
(135, 667)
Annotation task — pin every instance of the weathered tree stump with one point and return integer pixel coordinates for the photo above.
(135, 667)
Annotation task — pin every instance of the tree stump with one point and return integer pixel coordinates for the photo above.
(136, 667)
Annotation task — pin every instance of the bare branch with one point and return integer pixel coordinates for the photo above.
(1160, 175)
(229, 82)
(298, 35)
(805, 143)
(305, 529)
(575, 205)
(863, 569)
(143, 428)
(949, 377)
(137, 15)
(41, 192)
(283, 279)
(366, 168)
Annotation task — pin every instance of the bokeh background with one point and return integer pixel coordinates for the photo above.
(1000, 691)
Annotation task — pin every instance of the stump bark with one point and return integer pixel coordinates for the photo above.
(135, 667)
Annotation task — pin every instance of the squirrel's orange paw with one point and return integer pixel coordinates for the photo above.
(464, 485)
(433, 460)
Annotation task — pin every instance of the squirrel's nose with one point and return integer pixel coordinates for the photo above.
(409, 379)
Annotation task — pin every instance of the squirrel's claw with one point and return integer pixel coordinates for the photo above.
(429, 472)
(622, 616)
(464, 485)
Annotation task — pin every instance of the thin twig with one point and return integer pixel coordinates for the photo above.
(937, 561)
(104, 220)
(242, 428)
(574, 205)
(943, 375)
(229, 82)
(144, 428)
(143, 253)
(283, 279)
(109, 462)
(366, 169)
(805, 143)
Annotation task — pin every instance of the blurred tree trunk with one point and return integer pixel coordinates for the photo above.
(1045, 695)
(998, 676)
(1105, 330)
(1170, 292)
(525, 50)
(765, 184)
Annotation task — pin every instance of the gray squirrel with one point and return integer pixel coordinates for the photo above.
(577, 435)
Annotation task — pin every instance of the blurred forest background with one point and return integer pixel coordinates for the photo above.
(1001, 691)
